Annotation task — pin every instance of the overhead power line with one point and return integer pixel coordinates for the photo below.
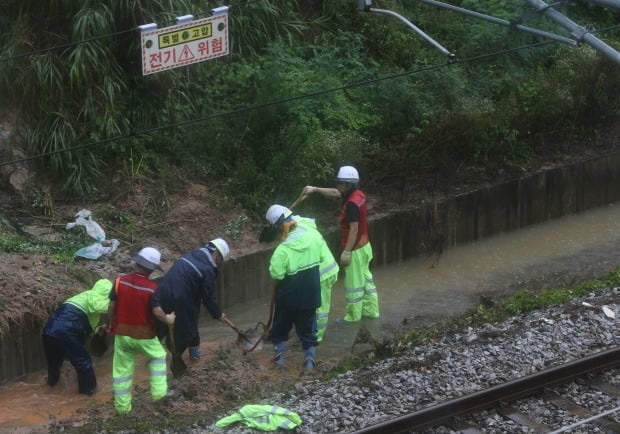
(578, 33)
(272, 103)
(100, 37)
(501, 22)
(62, 46)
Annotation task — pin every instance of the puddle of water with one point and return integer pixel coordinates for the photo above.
(577, 246)
(31, 402)
(419, 289)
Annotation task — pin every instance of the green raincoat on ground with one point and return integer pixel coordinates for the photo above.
(262, 417)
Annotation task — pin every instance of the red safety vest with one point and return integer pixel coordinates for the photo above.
(132, 312)
(359, 199)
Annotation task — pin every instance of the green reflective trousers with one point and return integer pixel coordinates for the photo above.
(322, 313)
(123, 365)
(360, 290)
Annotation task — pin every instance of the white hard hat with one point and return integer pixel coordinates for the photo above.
(277, 212)
(148, 258)
(348, 174)
(222, 247)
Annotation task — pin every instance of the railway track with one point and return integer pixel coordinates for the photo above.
(505, 403)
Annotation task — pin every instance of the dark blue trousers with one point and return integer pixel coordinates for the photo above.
(304, 322)
(64, 337)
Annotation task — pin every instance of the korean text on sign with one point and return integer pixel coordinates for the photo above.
(181, 45)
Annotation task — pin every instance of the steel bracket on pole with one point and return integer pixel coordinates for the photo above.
(365, 5)
(582, 34)
(579, 34)
(511, 24)
(528, 16)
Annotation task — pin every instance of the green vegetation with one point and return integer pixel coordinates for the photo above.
(525, 301)
(488, 312)
(235, 226)
(62, 250)
(307, 86)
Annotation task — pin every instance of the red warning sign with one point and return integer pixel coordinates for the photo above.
(186, 54)
(181, 45)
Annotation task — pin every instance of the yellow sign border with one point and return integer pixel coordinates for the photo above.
(189, 39)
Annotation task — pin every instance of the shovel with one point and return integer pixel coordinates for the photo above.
(178, 366)
(244, 340)
(266, 328)
(252, 339)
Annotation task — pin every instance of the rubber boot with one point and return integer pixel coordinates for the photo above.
(279, 351)
(194, 353)
(53, 375)
(87, 382)
(309, 356)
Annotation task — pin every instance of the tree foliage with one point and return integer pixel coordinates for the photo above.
(308, 86)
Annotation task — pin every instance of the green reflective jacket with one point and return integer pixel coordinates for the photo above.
(262, 417)
(295, 266)
(329, 266)
(94, 301)
(300, 251)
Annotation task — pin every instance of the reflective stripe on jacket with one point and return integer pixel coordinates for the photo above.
(133, 316)
(329, 266)
(190, 280)
(295, 264)
(263, 417)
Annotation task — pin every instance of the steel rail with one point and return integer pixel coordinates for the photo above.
(509, 391)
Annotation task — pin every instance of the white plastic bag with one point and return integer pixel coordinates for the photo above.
(102, 246)
(82, 218)
(96, 250)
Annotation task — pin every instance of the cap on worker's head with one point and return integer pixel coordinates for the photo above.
(148, 258)
(276, 214)
(221, 246)
(348, 174)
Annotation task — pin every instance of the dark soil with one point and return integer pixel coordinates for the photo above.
(183, 220)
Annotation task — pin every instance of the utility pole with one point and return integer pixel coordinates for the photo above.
(501, 22)
(580, 33)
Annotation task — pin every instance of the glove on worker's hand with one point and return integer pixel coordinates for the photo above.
(345, 257)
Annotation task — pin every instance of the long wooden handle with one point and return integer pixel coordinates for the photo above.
(171, 337)
(301, 197)
(271, 309)
(234, 327)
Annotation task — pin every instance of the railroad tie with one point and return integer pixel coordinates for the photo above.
(599, 384)
(577, 410)
(523, 419)
(462, 427)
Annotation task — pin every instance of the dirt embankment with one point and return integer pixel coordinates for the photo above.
(176, 222)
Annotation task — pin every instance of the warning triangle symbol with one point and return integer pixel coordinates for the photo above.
(186, 54)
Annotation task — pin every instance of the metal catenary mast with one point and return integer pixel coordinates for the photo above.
(578, 34)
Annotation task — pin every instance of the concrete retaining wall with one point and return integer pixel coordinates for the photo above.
(429, 228)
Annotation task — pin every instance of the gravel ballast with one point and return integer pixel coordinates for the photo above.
(456, 365)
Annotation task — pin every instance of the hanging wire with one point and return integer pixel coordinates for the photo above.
(100, 37)
(276, 102)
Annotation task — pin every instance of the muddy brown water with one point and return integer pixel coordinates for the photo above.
(422, 290)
